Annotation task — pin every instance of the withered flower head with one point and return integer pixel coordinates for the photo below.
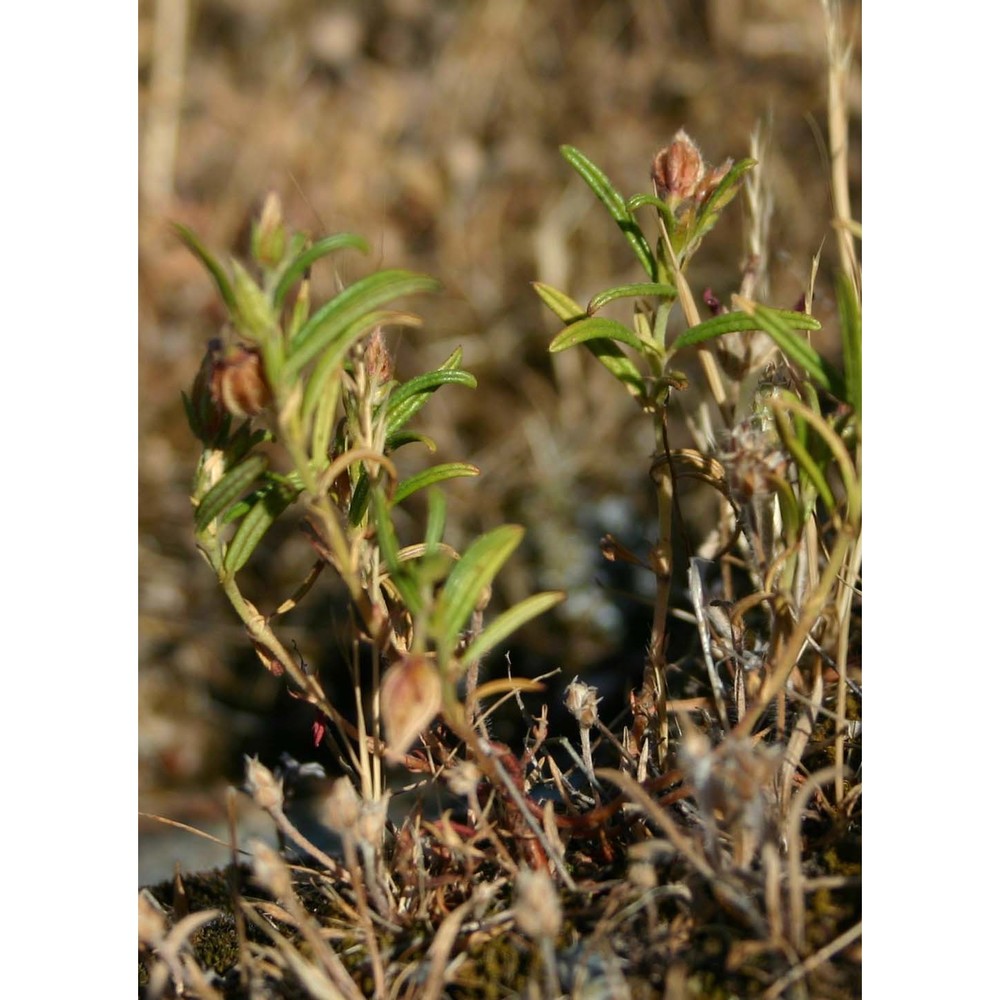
(754, 460)
(238, 382)
(581, 700)
(263, 786)
(678, 169)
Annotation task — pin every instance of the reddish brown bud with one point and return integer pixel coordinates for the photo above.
(238, 382)
(378, 361)
(678, 169)
(411, 697)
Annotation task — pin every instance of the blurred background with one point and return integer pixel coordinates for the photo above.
(433, 130)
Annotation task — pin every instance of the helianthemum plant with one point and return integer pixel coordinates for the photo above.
(299, 411)
(793, 460)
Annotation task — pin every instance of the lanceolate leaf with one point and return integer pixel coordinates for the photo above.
(228, 490)
(595, 328)
(735, 322)
(308, 257)
(622, 367)
(254, 526)
(435, 474)
(850, 326)
(332, 319)
(559, 302)
(411, 396)
(658, 289)
(509, 622)
(214, 267)
(614, 203)
(470, 576)
(393, 442)
(725, 192)
(781, 331)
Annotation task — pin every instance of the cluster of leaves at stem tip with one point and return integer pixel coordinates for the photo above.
(688, 200)
(298, 408)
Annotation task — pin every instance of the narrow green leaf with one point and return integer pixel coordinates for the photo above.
(212, 265)
(641, 200)
(850, 336)
(435, 474)
(803, 459)
(436, 512)
(782, 332)
(469, 577)
(255, 525)
(334, 318)
(394, 442)
(619, 364)
(595, 328)
(736, 322)
(410, 397)
(387, 542)
(400, 572)
(359, 498)
(659, 289)
(724, 193)
(509, 622)
(228, 490)
(614, 203)
(309, 256)
(559, 302)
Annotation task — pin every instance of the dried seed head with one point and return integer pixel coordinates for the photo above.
(678, 169)
(343, 807)
(270, 870)
(238, 382)
(754, 460)
(411, 697)
(582, 701)
(537, 910)
(735, 780)
(263, 786)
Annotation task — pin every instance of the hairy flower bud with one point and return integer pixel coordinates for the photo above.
(678, 169)
(411, 697)
(378, 360)
(238, 382)
(343, 807)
